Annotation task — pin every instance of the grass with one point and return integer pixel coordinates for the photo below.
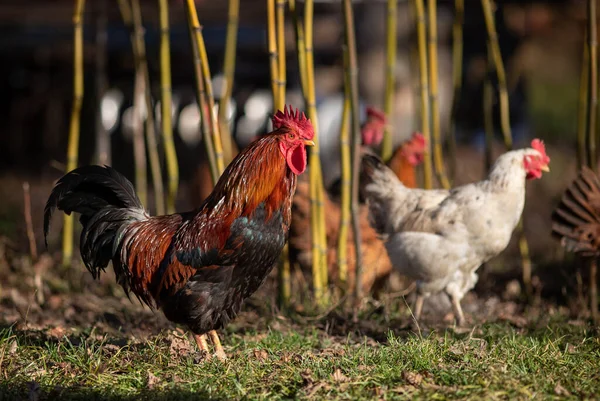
(494, 361)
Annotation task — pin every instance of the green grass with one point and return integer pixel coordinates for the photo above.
(492, 362)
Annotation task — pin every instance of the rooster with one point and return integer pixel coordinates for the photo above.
(377, 266)
(576, 220)
(197, 267)
(440, 238)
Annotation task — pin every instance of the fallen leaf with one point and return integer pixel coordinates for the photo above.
(152, 380)
(560, 390)
(179, 346)
(56, 332)
(261, 355)
(413, 378)
(339, 377)
(12, 348)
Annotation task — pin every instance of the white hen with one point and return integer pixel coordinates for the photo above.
(440, 238)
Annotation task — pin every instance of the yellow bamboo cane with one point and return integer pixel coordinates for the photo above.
(203, 106)
(591, 140)
(132, 17)
(496, 57)
(319, 244)
(457, 71)
(281, 82)
(438, 159)
(201, 48)
(228, 72)
(352, 76)
(278, 73)
(299, 30)
(74, 127)
(139, 146)
(272, 39)
(390, 75)
(424, 84)
(346, 190)
(593, 84)
(166, 105)
(583, 106)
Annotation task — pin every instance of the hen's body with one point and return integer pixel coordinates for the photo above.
(439, 237)
(199, 266)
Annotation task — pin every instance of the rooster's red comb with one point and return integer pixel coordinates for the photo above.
(375, 113)
(538, 145)
(294, 120)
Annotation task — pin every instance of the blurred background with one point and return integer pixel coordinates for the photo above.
(541, 44)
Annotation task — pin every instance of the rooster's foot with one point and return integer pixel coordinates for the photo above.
(219, 351)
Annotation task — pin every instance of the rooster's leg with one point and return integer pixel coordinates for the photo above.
(458, 313)
(419, 306)
(219, 351)
(202, 343)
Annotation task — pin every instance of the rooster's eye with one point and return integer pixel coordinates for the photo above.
(292, 136)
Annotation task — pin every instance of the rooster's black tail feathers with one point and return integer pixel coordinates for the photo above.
(107, 203)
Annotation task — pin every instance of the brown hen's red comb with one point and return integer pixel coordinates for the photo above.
(419, 139)
(538, 145)
(373, 112)
(296, 121)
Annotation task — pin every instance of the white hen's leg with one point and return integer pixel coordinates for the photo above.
(458, 313)
(418, 308)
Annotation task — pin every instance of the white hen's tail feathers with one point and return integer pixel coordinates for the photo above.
(576, 220)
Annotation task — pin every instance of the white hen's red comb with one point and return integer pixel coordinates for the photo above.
(538, 145)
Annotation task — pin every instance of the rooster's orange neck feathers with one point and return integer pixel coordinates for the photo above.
(259, 174)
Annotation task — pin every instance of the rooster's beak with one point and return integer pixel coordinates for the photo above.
(309, 142)
(546, 168)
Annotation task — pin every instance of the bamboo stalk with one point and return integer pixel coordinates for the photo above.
(281, 81)
(496, 57)
(583, 106)
(139, 148)
(201, 48)
(438, 159)
(273, 60)
(424, 83)
(593, 84)
(390, 75)
(132, 17)
(345, 207)
(488, 122)
(166, 106)
(591, 140)
(594, 289)
(457, 71)
(103, 147)
(352, 71)
(203, 107)
(74, 127)
(299, 30)
(319, 244)
(229, 75)
(494, 49)
(278, 73)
